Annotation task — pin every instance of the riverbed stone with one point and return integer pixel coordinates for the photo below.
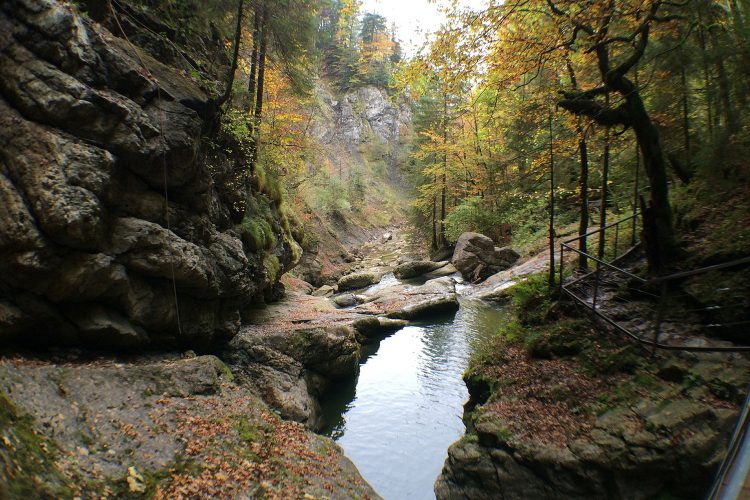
(345, 300)
(427, 309)
(416, 268)
(325, 291)
(358, 280)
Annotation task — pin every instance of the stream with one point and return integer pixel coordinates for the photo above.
(398, 418)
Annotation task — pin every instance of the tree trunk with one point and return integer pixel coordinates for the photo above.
(434, 222)
(583, 185)
(443, 242)
(603, 199)
(654, 164)
(685, 116)
(730, 118)
(583, 180)
(253, 82)
(235, 56)
(706, 79)
(258, 114)
(551, 277)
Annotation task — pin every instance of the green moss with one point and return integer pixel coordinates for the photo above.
(531, 299)
(248, 432)
(602, 362)
(152, 480)
(226, 372)
(272, 266)
(27, 459)
(563, 338)
(257, 233)
(470, 438)
(503, 434)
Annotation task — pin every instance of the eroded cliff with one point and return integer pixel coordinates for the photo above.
(119, 223)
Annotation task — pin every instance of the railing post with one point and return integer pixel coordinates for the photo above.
(596, 288)
(562, 261)
(660, 314)
(617, 238)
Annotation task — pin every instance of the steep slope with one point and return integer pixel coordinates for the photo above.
(117, 225)
(362, 136)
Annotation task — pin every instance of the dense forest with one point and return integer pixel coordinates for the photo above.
(353, 248)
(516, 107)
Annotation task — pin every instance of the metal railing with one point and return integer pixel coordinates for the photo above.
(733, 471)
(654, 295)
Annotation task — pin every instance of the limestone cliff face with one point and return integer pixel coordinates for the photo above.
(361, 116)
(108, 200)
(362, 133)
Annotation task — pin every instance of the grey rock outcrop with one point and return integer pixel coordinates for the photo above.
(93, 427)
(476, 257)
(363, 115)
(416, 268)
(427, 309)
(618, 459)
(94, 135)
(293, 368)
(372, 328)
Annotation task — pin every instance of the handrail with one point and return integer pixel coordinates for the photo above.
(591, 304)
(599, 229)
(607, 264)
(694, 272)
(726, 475)
(655, 343)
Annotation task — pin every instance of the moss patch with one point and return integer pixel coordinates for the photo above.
(27, 459)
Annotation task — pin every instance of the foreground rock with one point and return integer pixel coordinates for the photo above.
(372, 328)
(90, 254)
(560, 410)
(476, 257)
(293, 366)
(72, 428)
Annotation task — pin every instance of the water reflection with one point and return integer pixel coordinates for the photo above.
(398, 418)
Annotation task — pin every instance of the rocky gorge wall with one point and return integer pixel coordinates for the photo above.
(112, 206)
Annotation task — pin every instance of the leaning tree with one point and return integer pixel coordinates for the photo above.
(617, 34)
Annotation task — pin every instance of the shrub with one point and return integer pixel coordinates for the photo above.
(471, 215)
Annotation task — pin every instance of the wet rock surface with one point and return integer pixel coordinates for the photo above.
(358, 280)
(416, 268)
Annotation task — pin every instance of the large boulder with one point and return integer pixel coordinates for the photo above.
(416, 268)
(427, 309)
(476, 257)
(358, 280)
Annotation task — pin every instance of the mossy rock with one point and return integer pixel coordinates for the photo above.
(27, 468)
